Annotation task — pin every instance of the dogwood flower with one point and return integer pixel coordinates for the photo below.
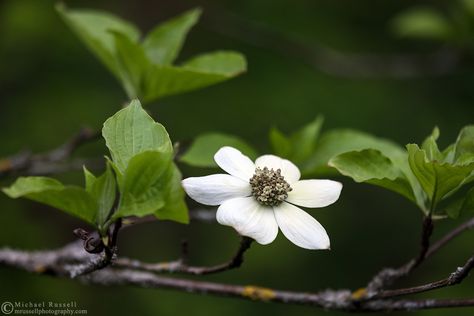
(257, 198)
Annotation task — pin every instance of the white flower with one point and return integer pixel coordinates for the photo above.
(257, 198)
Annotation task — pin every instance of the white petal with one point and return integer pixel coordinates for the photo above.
(300, 228)
(314, 193)
(289, 171)
(235, 163)
(216, 188)
(249, 218)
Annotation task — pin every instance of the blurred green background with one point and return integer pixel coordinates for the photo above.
(50, 86)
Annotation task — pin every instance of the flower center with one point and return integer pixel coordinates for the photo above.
(269, 186)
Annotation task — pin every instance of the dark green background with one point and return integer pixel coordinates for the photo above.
(50, 86)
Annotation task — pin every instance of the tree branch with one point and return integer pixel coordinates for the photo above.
(388, 275)
(53, 161)
(180, 266)
(64, 261)
(450, 236)
(455, 278)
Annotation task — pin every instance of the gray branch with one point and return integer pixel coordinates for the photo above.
(54, 161)
(69, 262)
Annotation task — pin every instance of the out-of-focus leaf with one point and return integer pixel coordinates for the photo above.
(71, 199)
(298, 146)
(224, 63)
(132, 131)
(338, 141)
(304, 141)
(132, 63)
(437, 179)
(281, 144)
(197, 73)
(468, 5)
(164, 42)
(94, 29)
(145, 69)
(423, 23)
(371, 166)
(201, 153)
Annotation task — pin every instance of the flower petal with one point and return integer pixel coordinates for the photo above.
(314, 193)
(249, 218)
(289, 171)
(300, 227)
(216, 188)
(235, 163)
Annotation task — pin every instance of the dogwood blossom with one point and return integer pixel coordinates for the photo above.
(258, 198)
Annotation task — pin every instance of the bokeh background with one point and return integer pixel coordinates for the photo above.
(50, 86)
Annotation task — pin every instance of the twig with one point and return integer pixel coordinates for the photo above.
(426, 232)
(388, 275)
(450, 236)
(94, 244)
(94, 264)
(53, 263)
(455, 278)
(54, 161)
(180, 266)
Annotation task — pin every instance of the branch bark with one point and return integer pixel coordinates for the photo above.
(389, 275)
(53, 161)
(64, 262)
(180, 266)
(455, 278)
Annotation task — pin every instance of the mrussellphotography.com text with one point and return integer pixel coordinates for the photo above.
(42, 308)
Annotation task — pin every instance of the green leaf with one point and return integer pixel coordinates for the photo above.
(448, 153)
(465, 144)
(201, 153)
(338, 141)
(142, 157)
(132, 131)
(300, 145)
(304, 141)
(103, 189)
(145, 69)
(224, 63)
(437, 179)
(371, 166)
(70, 199)
(140, 195)
(281, 144)
(430, 146)
(468, 6)
(422, 23)
(132, 63)
(94, 29)
(174, 208)
(163, 43)
(461, 205)
(197, 73)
